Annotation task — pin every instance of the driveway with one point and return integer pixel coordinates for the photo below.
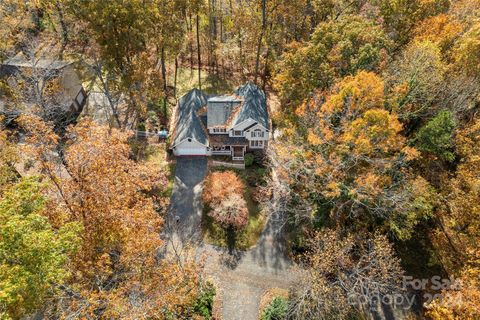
(185, 207)
(241, 285)
(263, 267)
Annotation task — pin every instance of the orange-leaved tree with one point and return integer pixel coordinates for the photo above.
(353, 159)
(95, 183)
(223, 194)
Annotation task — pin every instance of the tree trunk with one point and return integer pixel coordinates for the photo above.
(265, 70)
(262, 32)
(199, 55)
(221, 21)
(164, 78)
(190, 43)
(63, 25)
(240, 52)
(164, 70)
(175, 79)
(106, 90)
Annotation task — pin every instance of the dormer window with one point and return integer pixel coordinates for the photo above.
(237, 133)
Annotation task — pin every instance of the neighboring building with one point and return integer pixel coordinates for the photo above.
(221, 125)
(53, 83)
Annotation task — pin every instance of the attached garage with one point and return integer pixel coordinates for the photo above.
(190, 147)
(190, 138)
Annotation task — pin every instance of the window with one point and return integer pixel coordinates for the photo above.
(256, 144)
(219, 130)
(237, 133)
(257, 133)
(80, 97)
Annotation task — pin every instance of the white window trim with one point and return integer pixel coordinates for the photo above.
(257, 144)
(236, 135)
(257, 133)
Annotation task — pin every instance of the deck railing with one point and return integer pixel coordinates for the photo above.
(221, 152)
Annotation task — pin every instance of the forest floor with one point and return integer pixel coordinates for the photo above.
(241, 277)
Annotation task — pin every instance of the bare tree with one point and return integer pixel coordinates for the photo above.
(345, 275)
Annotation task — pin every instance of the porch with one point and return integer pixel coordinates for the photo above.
(236, 152)
(221, 151)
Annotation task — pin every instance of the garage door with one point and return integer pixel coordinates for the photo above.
(191, 151)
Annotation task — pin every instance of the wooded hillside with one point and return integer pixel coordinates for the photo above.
(375, 107)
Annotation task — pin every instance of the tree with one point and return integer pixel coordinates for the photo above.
(132, 40)
(9, 156)
(461, 301)
(16, 22)
(436, 137)
(457, 235)
(33, 254)
(442, 30)
(345, 276)
(276, 310)
(353, 161)
(466, 51)
(337, 48)
(401, 16)
(224, 196)
(417, 80)
(96, 184)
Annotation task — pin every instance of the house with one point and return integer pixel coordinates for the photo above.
(49, 88)
(222, 124)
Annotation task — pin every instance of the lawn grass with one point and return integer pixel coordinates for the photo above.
(211, 83)
(155, 155)
(215, 234)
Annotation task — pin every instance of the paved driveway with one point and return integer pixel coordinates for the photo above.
(263, 267)
(186, 196)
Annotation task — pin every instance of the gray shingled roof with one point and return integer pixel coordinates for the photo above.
(188, 125)
(220, 109)
(254, 105)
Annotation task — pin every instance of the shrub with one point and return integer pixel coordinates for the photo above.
(224, 194)
(276, 310)
(249, 158)
(436, 137)
(204, 303)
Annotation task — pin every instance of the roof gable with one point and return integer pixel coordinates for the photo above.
(254, 106)
(188, 125)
